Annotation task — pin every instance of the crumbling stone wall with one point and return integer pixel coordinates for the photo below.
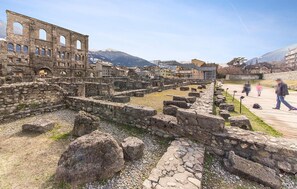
(25, 99)
(28, 52)
(279, 154)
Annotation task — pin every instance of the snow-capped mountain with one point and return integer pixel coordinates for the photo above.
(277, 56)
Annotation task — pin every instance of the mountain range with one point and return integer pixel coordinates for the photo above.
(118, 58)
(277, 56)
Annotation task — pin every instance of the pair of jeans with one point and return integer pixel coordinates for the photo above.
(281, 99)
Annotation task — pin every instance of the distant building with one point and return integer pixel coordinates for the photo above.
(291, 58)
(104, 68)
(166, 73)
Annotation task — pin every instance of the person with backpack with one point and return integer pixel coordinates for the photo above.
(247, 88)
(282, 91)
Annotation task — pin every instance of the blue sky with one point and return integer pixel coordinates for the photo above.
(213, 30)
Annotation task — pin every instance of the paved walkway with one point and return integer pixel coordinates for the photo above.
(282, 120)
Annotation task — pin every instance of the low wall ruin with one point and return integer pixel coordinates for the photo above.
(277, 153)
(24, 99)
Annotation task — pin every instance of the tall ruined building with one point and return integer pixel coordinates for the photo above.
(36, 48)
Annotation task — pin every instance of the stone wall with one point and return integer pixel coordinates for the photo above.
(243, 77)
(25, 99)
(292, 75)
(199, 125)
(277, 153)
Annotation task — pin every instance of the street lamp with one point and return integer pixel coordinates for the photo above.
(234, 95)
(241, 98)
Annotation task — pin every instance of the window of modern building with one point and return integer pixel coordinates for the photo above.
(78, 44)
(42, 34)
(62, 40)
(10, 47)
(25, 49)
(17, 28)
(18, 48)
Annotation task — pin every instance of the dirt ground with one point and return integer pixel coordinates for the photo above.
(155, 100)
(29, 160)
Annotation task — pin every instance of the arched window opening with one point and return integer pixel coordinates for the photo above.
(18, 48)
(17, 28)
(49, 52)
(78, 44)
(25, 49)
(63, 55)
(37, 51)
(42, 34)
(43, 53)
(62, 40)
(63, 73)
(10, 47)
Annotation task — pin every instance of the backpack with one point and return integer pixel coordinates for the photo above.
(257, 106)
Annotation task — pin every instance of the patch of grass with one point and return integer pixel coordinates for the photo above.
(155, 100)
(57, 135)
(257, 123)
(132, 130)
(21, 106)
(34, 105)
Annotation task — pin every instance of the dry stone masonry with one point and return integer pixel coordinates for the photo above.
(180, 167)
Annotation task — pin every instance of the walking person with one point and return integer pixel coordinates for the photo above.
(282, 91)
(259, 89)
(247, 88)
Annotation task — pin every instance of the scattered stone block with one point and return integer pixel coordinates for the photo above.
(170, 110)
(252, 170)
(184, 88)
(160, 90)
(38, 126)
(121, 99)
(240, 121)
(180, 104)
(200, 87)
(225, 114)
(195, 94)
(188, 99)
(84, 123)
(89, 158)
(193, 90)
(139, 94)
(225, 106)
(133, 148)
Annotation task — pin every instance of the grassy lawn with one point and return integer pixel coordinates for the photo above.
(155, 100)
(257, 123)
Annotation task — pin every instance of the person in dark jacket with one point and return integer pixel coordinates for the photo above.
(282, 91)
(247, 88)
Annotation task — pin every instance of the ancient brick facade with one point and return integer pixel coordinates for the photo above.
(37, 48)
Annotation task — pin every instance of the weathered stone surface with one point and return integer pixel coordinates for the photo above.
(84, 123)
(225, 106)
(180, 104)
(170, 110)
(139, 94)
(184, 98)
(92, 157)
(252, 170)
(240, 121)
(184, 88)
(38, 126)
(195, 94)
(180, 167)
(225, 114)
(133, 148)
(121, 99)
